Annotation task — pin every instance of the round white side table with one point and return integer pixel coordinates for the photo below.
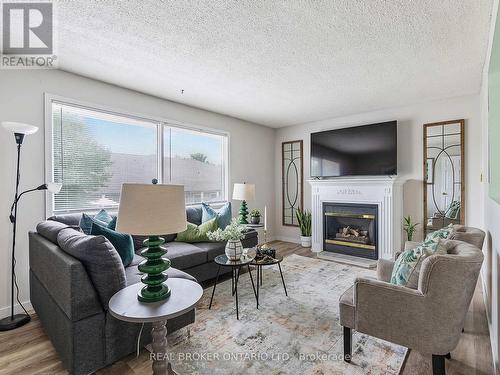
(125, 306)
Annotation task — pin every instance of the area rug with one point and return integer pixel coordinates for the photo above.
(298, 334)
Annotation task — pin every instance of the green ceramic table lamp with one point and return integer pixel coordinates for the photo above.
(243, 192)
(152, 210)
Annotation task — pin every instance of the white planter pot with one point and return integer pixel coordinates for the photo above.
(234, 249)
(305, 241)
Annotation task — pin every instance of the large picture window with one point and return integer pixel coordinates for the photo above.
(93, 152)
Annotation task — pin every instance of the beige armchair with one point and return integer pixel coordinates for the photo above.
(428, 319)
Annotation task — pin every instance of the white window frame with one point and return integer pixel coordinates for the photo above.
(161, 123)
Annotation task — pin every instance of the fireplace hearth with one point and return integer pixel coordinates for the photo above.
(350, 229)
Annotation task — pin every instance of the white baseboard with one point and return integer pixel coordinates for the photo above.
(493, 342)
(288, 239)
(5, 311)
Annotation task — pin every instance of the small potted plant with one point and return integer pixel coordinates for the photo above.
(304, 218)
(255, 216)
(233, 234)
(409, 227)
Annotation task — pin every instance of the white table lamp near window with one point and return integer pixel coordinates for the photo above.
(152, 210)
(243, 192)
(20, 130)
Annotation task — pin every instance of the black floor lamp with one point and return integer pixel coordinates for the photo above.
(20, 130)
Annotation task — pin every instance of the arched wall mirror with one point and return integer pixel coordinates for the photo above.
(444, 199)
(292, 180)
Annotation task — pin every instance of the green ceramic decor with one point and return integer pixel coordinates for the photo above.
(243, 213)
(154, 267)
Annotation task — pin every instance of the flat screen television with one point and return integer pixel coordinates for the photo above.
(368, 150)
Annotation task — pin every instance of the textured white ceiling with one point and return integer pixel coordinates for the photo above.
(279, 63)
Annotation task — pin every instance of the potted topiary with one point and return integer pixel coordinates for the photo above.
(409, 227)
(255, 216)
(304, 218)
(233, 234)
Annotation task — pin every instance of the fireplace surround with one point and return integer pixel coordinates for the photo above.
(383, 193)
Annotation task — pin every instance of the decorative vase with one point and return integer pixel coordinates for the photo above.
(255, 219)
(305, 241)
(234, 249)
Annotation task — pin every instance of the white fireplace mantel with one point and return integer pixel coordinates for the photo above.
(386, 192)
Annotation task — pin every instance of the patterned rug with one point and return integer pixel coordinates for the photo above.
(298, 334)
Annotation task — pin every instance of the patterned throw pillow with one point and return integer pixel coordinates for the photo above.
(406, 269)
(102, 218)
(446, 232)
(223, 214)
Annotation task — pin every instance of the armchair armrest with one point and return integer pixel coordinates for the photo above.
(384, 269)
(390, 312)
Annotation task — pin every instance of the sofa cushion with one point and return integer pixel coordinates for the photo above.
(122, 242)
(213, 249)
(133, 274)
(69, 219)
(223, 214)
(184, 255)
(197, 233)
(347, 308)
(50, 229)
(100, 259)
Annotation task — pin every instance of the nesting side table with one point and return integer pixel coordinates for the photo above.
(236, 265)
(267, 262)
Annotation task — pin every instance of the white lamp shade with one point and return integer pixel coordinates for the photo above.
(19, 127)
(244, 192)
(54, 187)
(151, 210)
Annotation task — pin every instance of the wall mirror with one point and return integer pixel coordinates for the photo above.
(444, 199)
(292, 180)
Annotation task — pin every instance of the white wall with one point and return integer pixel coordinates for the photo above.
(491, 210)
(410, 153)
(21, 99)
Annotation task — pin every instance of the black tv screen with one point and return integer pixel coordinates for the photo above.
(368, 150)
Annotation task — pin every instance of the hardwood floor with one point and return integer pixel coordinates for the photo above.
(28, 350)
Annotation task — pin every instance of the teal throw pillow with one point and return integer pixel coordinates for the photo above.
(112, 224)
(122, 242)
(102, 218)
(223, 214)
(406, 269)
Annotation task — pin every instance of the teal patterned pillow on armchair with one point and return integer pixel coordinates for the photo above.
(407, 266)
(443, 233)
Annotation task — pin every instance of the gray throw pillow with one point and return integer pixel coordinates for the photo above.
(100, 259)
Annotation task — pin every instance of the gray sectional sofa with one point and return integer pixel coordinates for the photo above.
(71, 310)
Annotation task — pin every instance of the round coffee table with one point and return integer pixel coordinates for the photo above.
(125, 306)
(236, 265)
(268, 261)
